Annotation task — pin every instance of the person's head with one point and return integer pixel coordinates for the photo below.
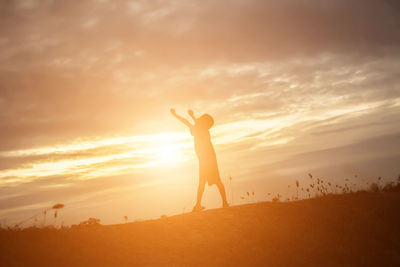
(206, 121)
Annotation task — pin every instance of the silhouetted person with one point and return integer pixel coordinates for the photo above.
(206, 154)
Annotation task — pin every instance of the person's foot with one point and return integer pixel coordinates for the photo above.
(198, 208)
(225, 204)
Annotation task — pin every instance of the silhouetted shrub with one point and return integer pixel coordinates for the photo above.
(277, 198)
(391, 187)
(89, 223)
(374, 188)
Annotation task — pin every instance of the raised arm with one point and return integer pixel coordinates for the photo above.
(191, 114)
(182, 119)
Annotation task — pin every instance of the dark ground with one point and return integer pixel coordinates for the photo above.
(346, 230)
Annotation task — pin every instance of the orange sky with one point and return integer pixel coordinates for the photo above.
(294, 87)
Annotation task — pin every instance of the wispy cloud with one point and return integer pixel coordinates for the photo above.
(86, 87)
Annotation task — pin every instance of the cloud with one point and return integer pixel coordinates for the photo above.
(280, 78)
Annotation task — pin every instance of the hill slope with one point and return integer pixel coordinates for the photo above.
(355, 229)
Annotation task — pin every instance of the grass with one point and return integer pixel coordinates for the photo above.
(353, 229)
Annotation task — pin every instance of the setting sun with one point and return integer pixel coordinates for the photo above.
(169, 154)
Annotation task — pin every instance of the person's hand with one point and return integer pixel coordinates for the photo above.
(173, 112)
(190, 112)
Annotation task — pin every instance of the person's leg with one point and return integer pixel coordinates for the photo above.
(200, 191)
(222, 192)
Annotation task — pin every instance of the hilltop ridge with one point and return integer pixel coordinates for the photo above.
(359, 229)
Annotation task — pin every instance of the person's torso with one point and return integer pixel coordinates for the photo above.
(202, 141)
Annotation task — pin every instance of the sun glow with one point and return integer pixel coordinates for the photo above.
(168, 149)
(108, 156)
(169, 154)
